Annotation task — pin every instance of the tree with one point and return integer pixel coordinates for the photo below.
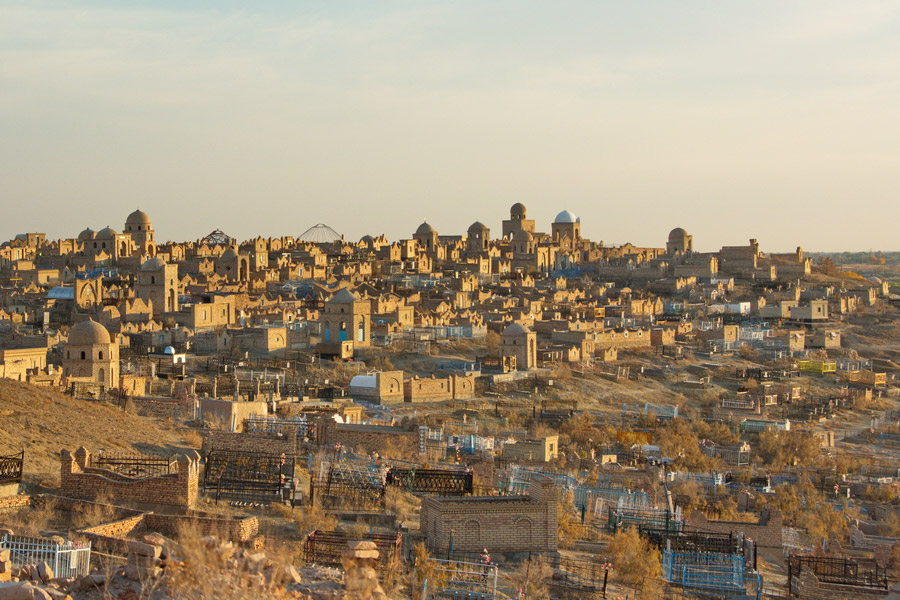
(634, 560)
(781, 448)
(492, 342)
(568, 523)
(533, 575)
(827, 267)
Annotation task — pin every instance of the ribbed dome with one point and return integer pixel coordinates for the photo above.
(86, 235)
(425, 229)
(566, 216)
(107, 233)
(153, 264)
(88, 333)
(517, 211)
(138, 217)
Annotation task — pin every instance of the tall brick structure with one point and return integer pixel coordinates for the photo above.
(79, 480)
(499, 523)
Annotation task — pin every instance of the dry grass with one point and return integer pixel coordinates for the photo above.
(307, 518)
(44, 422)
(209, 572)
(402, 503)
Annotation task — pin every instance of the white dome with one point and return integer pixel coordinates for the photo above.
(169, 350)
(566, 216)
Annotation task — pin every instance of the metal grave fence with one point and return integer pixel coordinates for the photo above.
(71, 559)
(326, 548)
(306, 431)
(443, 482)
(461, 580)
(11, 467)
(598, 499)
(838, 570)
(643, 519)
(711, 574)
(137, 466)
(348, 488)
(249, 476)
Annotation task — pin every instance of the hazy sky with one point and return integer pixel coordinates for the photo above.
(776, 120)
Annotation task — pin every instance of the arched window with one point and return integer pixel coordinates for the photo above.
(361, 331)
(100, 357)
(83, 355)
(102, 376)
(327, 331)
(343, 331)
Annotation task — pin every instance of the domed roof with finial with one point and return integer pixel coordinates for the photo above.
(88, 333)
(477, 227)
(517, 211)
(87, 234)
(425, 229)
(138, 217)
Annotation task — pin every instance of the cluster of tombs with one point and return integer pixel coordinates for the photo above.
(511, 507)
(75, 304)
(217, 334)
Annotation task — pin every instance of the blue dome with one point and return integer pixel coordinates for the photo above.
(566, 216)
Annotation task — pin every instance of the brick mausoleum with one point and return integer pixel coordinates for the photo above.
(499, 523)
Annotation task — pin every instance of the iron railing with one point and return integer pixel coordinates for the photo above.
(136, 466)
(839, 570)
(249, 476)
(11, 467)
(71, 559)
(326, 548)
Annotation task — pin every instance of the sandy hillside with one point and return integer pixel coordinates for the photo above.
(43, 422)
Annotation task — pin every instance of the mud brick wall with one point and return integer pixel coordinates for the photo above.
(858, 539)
(110, 537)
(238, 529)
(284, 443)
(78, 480)
(11, 502)
(446, 388)
(73, 505)
(498, 523)
(165, 408)
(370, 437)
(766, 532)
